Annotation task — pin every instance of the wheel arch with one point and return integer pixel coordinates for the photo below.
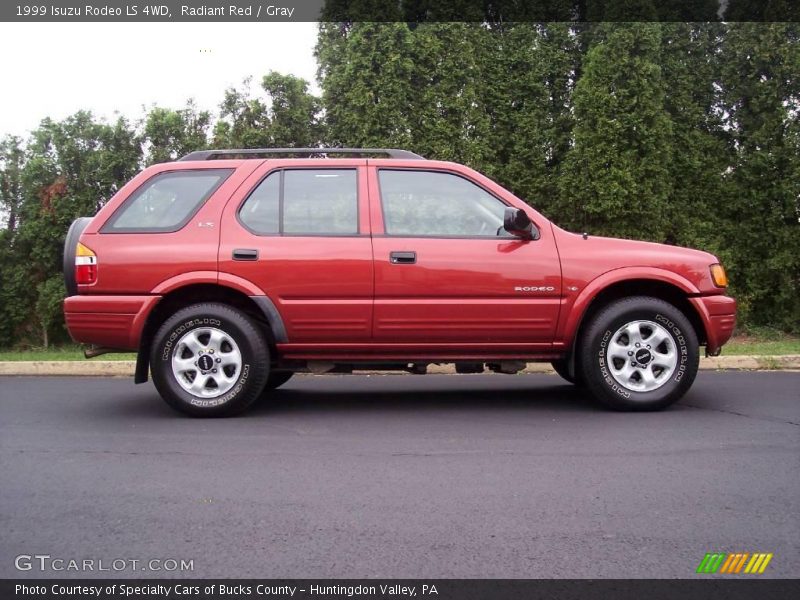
(599, 294)
(257, 306)
(669, 291)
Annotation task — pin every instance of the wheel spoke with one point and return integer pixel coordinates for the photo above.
(184, 364)
(191, 342)
(634, 333)
(617, 350)
(658, 337)
(231, 358)
(648, 377)
(665, 359)
(216, 339)
(625, 373)
(199, 384)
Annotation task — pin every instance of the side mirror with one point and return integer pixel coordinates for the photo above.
(516, 222)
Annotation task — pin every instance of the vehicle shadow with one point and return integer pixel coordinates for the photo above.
(359, 394)
(408, 393)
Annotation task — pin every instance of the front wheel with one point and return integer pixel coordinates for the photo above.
(209, 360)
(639, 354)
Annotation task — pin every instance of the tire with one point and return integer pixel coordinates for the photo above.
(643, 377)
(233, 352)
(562, 368)
(276, 379)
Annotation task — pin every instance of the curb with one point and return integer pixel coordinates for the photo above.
(125, 368)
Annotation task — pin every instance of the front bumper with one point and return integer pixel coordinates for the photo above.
(719, 319)
(109, 321)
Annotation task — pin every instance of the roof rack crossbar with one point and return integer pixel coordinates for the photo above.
(257, 152)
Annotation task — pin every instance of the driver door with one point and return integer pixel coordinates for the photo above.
(445, 269)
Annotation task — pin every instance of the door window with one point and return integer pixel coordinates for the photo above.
(436, 204)
(304, 202)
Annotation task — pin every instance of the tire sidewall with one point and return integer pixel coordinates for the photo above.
(252, 376)
(596, 368)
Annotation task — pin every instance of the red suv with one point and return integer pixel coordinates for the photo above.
(228, 271)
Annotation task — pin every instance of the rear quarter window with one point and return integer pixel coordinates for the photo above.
(166, 202)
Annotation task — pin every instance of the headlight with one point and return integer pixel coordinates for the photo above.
(718, 275)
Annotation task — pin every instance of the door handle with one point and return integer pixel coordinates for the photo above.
(245, 254)
(402, 258)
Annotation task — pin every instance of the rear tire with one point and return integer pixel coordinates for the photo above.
(209, 360)
(639, 354)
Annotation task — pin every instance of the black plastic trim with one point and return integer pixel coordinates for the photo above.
(245, 254)
(70, 242)
(273, 318)
(261, 152)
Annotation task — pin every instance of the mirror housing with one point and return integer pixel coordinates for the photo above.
(517, 223)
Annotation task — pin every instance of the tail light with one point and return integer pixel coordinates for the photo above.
(85, 265)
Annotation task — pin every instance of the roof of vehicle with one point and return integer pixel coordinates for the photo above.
(247, 153)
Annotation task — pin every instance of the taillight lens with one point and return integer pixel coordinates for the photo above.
(718, 276)
(85, 265)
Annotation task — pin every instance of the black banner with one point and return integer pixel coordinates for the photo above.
(490, 11)
(379, 589)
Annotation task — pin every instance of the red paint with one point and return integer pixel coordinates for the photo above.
(341, 297)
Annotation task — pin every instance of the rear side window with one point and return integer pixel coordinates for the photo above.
(166, 202)
(304, 202)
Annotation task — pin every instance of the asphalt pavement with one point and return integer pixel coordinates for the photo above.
(401, 476)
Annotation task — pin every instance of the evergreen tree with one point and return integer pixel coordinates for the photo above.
(616, 177)
(366, 71)
(762, 101)
(690, 60)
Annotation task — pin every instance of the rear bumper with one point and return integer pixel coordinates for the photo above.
(110, 321)
(719, 318)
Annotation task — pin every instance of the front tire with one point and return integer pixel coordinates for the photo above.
(209, 360)
(639, 354)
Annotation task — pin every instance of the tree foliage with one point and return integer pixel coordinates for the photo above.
(287, 116)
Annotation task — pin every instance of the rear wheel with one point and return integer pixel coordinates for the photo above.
(209, 360)
(639, 354)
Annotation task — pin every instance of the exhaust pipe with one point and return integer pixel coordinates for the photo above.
(93, 351)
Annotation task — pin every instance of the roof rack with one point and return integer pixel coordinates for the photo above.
(309, 152)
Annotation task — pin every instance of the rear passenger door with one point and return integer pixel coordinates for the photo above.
(447, 272)
(301, 234)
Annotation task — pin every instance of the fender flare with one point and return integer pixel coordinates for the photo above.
(221, 279)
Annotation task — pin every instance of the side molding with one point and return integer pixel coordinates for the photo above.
(273, 318)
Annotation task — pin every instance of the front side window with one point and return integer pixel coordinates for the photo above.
(304, 202)
(166, 202)
(428, 203)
